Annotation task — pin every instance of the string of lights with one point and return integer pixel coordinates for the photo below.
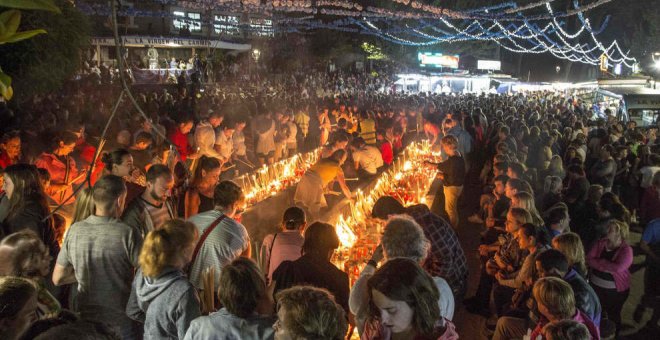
(520, 29)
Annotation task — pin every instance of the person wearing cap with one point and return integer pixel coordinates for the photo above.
(205, 136)
(285, 245)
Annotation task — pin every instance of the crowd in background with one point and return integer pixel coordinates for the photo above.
(128, 256)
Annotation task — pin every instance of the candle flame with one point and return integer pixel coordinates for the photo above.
(347, 237)
(269, 180)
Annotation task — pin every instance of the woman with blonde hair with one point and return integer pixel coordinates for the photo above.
(509, 257)
(610, 259)
(84, 206)
(525, 200)
(161, 296)
(556, 301)
(571, 246)
(25, 255)
(556, 168)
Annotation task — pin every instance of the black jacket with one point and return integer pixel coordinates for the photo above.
(586, 299)
(316, 272)
(32, 217)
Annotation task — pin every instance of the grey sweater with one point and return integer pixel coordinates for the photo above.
(166, 305)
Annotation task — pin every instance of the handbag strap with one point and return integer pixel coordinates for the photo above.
(270, 253)
(205, 234)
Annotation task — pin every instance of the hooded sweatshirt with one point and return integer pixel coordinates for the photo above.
(166, 304)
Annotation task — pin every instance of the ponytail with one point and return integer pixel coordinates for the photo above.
(293, 218)
(204, 163)
(113, 158)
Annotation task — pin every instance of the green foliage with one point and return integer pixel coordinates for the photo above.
(373, 52)
(43, 5)
(6, 91)
(43, 63)
(9, 21)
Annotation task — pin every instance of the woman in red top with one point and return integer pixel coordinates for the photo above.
(179, 137)
(385, 147)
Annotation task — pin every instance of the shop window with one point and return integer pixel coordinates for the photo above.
(261, 27)
(191, 20)
(226, 24)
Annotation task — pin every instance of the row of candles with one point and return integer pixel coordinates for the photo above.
(408, 180)
(269, 180)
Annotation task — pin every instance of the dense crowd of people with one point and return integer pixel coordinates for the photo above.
(146, 240)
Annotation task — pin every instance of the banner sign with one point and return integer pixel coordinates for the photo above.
(142, 41)
(437, 60)
(492, 65)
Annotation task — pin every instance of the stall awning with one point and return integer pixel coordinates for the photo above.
(626, 90)
(607, 93)
(164, 42)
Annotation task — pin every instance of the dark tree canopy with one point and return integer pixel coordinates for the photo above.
(45, 62)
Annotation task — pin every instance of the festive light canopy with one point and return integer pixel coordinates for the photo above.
(533, 28)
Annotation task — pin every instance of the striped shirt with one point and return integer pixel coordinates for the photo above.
(224, 244)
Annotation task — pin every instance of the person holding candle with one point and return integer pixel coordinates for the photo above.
(309, 192)
(367, 159)
(452, 173)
